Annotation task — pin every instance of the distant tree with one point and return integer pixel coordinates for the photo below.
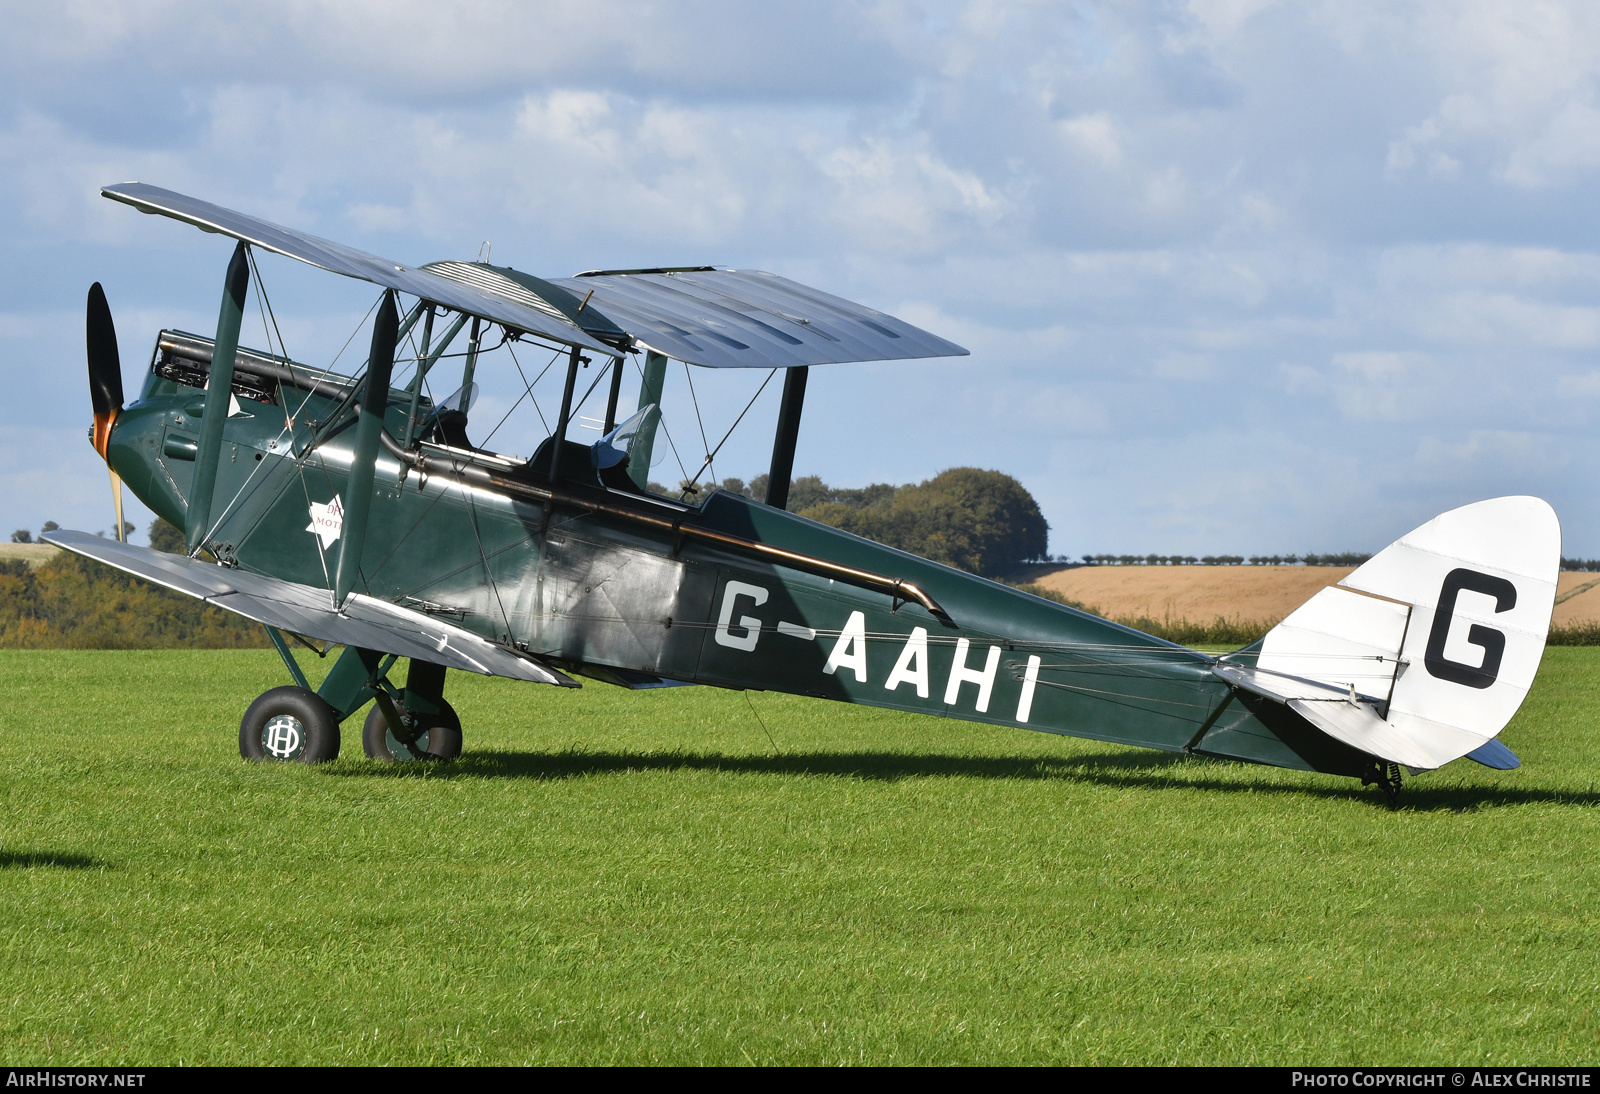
(809, 491)
(73, 603)
(982, 521)
(22, 535)
(736, 486)
(877, 495)
(49, 526)
(806, 492)
(164, 537)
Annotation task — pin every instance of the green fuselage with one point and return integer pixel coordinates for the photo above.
(632, 602)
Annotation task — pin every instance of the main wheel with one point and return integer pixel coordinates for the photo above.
(439, 737)
(289, 724)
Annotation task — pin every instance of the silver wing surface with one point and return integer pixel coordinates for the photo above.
(365, 621)
(749, 319)
(715, 318)
(530, 313)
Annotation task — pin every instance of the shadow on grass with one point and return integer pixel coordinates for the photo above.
(1125, 770)
(60, 860)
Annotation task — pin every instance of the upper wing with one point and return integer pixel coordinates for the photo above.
(749, 319)
(365, 621)
(529, 312)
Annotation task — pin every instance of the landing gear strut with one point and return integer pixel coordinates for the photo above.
(424, 736)
(1387, 778)
(298, 724)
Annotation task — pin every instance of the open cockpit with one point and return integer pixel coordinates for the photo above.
(317, 404)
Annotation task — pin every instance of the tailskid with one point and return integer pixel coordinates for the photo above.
(1387, 777)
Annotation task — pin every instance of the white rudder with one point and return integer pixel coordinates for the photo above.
(1423, 654)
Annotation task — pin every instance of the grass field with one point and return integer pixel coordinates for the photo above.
(646, 877)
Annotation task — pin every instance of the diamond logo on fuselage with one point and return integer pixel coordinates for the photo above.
(327, 521)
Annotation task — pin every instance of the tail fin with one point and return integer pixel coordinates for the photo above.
(1424, 653)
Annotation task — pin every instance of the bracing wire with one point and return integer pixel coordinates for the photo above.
(264, 306)
(762, 723)
(529, 386)
(400, 542)
(600, 374)
(734, 426)
(706, 444)
(269, 323)
(488, 573)
(662, 421)
(527, 394)
(353, 333)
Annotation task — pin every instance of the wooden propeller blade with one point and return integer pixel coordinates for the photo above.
(116, 497)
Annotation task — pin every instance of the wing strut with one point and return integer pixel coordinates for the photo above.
(794, 397)
(566, 412)
(643, 450)
(219, 390)
(358, 489)
(611, 399)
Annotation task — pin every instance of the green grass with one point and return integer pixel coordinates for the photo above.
(641, 877)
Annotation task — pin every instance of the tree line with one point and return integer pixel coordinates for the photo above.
(70, 602)
(984, 522)
(1343, 558)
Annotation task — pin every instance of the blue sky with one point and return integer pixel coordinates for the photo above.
(1236, 275)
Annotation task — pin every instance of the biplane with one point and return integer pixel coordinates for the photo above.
(352, 511)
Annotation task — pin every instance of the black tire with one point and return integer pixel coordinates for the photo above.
(440, 738)
(289, 724)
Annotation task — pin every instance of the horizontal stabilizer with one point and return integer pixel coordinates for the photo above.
(1277, 686)
(1341, 715)
(365, 622)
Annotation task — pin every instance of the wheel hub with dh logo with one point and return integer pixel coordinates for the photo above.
(283, 737)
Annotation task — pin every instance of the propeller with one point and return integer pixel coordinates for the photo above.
(105, 384)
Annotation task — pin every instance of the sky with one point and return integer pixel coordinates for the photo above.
(1237, 276)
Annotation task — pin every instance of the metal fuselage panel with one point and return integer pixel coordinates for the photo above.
(590, 589)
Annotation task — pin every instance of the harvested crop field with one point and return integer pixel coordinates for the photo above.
(1262, 594)
(34, 554)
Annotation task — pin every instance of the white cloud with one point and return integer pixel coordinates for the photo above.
(1312, 249)
(1095, 135)
(1501, 453)
(1518, 92)
(1376, 385)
